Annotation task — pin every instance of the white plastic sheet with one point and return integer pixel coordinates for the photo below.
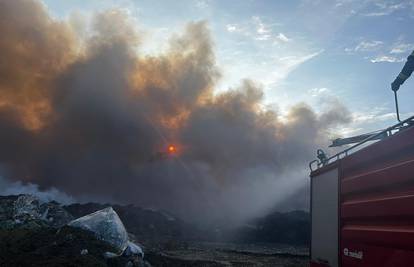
(107, 227)
(133, 250)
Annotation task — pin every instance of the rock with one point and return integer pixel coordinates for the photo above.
(106, 226)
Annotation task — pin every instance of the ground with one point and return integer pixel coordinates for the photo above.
(226, 254)
(33, 233)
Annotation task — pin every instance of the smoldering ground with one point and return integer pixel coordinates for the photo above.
(89, 115)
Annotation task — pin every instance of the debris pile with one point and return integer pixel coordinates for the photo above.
(27, 211)
(33, 233)
(36, 233)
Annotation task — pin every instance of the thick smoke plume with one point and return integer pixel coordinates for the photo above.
(88, 115)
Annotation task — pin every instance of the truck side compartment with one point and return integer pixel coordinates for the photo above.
(375, 205)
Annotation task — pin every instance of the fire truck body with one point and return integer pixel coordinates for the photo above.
(362, 206)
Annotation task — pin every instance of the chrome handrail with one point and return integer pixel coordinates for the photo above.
(388, 131)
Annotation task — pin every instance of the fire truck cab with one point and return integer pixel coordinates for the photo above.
(362, 203)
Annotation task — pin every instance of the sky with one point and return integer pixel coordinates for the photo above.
(299, 51)
(318, 64)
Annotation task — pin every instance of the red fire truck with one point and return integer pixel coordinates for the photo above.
(362, 202)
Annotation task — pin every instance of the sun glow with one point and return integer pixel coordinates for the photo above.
(172, 149)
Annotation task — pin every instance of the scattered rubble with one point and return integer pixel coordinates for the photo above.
(27, 211)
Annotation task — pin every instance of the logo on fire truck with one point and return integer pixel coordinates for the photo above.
(353, 254)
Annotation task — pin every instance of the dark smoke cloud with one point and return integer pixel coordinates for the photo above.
(90, 116)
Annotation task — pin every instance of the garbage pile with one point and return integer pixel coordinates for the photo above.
(27, 211)
(107, 226)
(50, 229)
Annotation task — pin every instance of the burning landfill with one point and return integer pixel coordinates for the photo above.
(34, 232)
(84, 113)
(102, 232)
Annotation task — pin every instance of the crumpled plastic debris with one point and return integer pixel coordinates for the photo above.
(133, 250)
(106, 226)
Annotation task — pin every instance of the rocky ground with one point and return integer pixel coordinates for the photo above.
(33, 233)
(229, 254)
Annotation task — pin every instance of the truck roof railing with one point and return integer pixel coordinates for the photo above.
(316, 164)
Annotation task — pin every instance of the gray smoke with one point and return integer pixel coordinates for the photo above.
(16, 188)
(88, 115)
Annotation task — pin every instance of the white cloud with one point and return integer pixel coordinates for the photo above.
(263, 31)
(292, 61)
(239, 28)
(401, 48)
(389, 59)
(270, 73)
(349, 50)
(365, 46)
(384, 9)
(286, 65)
(281, 38)
(316, 92)
(384, 52)
(202, 4)
(232, 27)
(263, 37)
(368, 45)
(261, 27)
(258, 30)
(372, 117)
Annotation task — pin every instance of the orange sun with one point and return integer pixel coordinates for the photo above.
(172, 149)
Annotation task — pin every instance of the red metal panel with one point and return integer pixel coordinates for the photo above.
(393, 150)
(375, 256)
(377, 204)
(392, 175)
(391, 236)
(402, 205)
